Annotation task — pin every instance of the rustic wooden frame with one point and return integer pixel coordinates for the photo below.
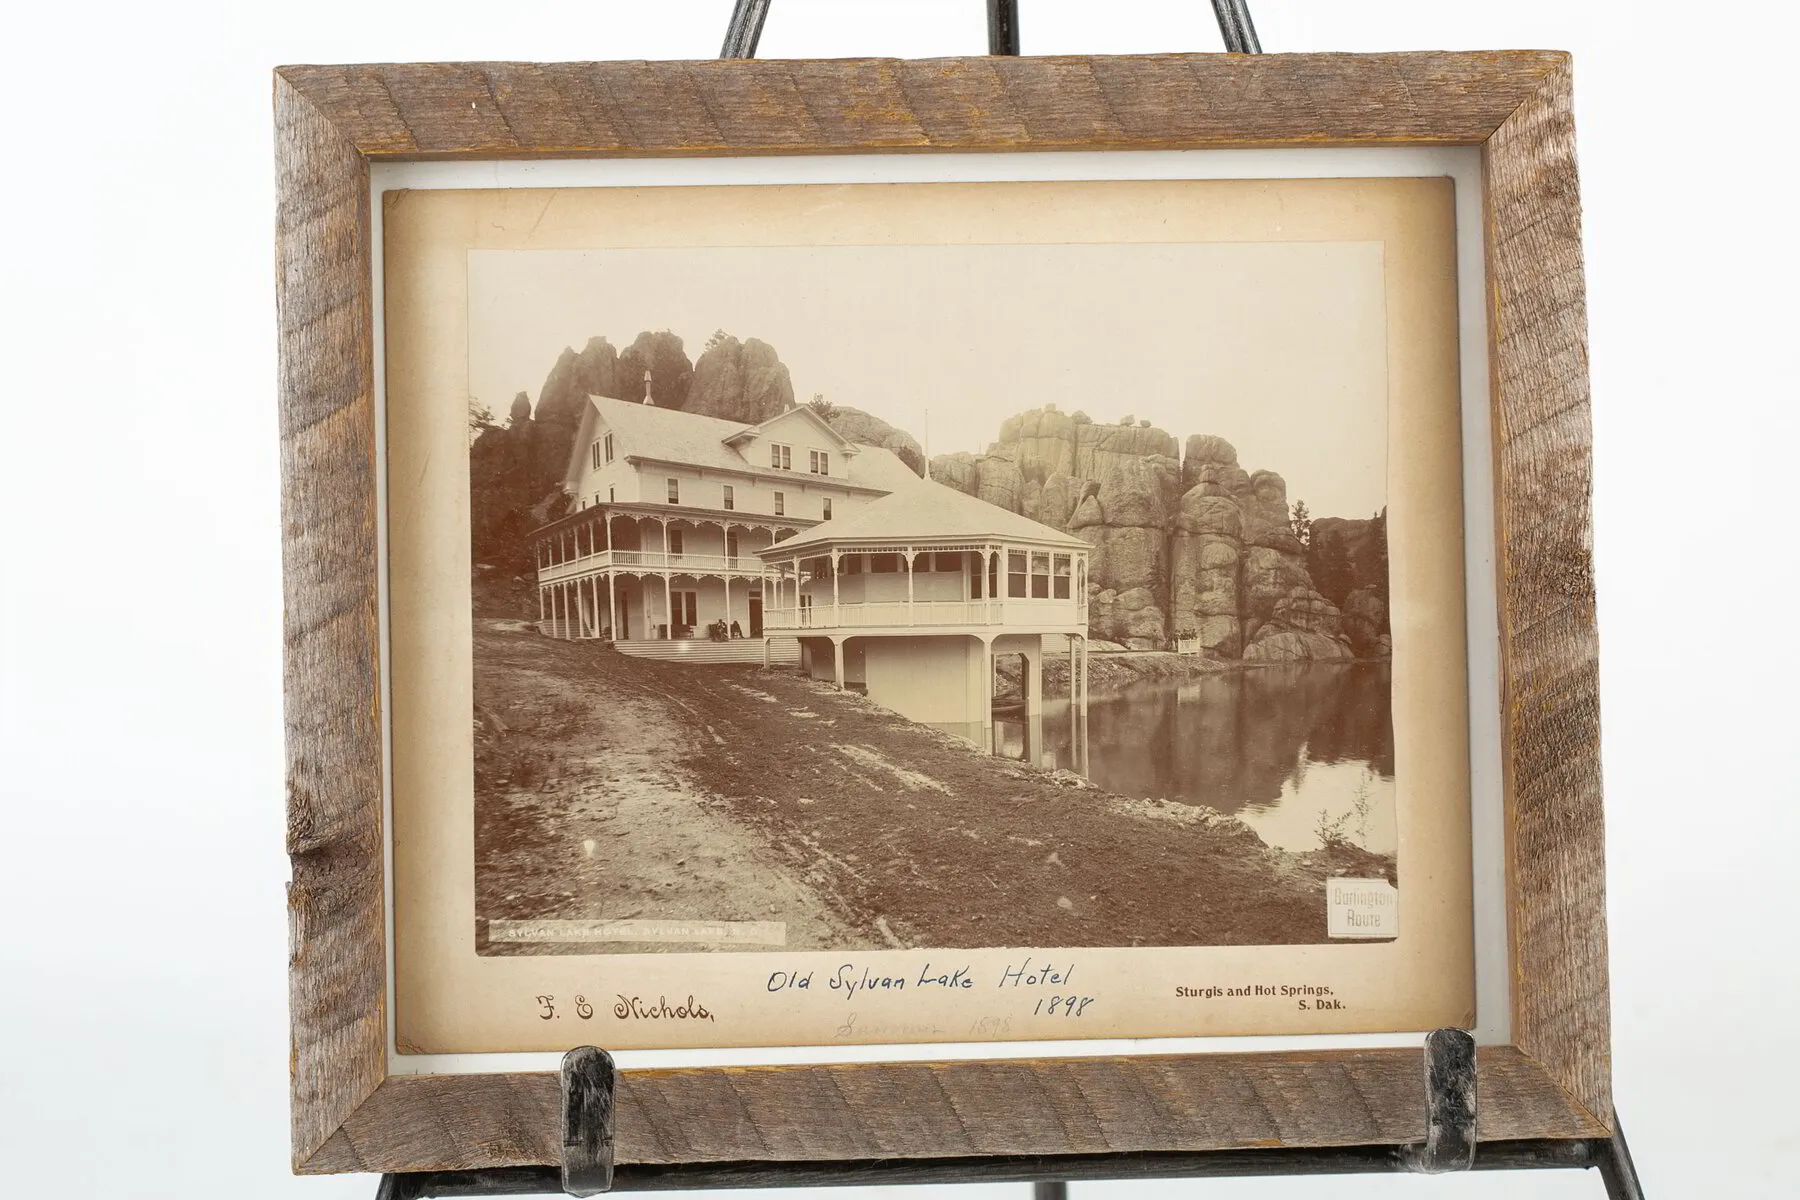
(333, 122)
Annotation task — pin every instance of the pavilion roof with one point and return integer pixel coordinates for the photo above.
(920, 514)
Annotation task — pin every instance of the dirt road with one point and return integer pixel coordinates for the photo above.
(613, 787)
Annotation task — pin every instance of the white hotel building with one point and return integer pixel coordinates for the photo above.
(704, 539)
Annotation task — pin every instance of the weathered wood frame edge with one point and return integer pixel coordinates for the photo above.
(332, 122)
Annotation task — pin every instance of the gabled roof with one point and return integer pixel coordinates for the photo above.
(806, 413)
(922, 512)
(673, 436)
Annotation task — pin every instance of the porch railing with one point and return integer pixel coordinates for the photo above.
(744, 564)
(916, 613)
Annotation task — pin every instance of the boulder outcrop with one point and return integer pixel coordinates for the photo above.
(740, 381)
(1187, 543)
(870, 430)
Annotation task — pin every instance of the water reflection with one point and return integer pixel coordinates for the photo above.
(1294, 751)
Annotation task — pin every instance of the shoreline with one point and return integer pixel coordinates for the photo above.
(1111, 671)
(610, 787)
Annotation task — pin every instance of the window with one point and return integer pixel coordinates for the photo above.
(596, 499)
(674, 491)
(594, 455)
(730, 498)
(993, 574)
(852, 564)
(781, 457)
(977, 576)
(609, 454)
(1015, 573)
(675, 542)
(821, 463)
(1040, 576)
(884, 564)
(731, 548)
(780, 504)
(826, 507)
(1060, 577)
(950, 564)
(612, 493)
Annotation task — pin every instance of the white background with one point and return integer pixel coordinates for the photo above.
(142, 930)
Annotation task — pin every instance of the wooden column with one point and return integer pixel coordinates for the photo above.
(612, 606)
(985, 717)
(668, 590)
(834, 603)
(909, 585)
(837, 660)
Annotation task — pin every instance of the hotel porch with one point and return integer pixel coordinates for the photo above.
(643, 573)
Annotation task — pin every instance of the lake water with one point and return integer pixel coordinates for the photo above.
(1286, 749)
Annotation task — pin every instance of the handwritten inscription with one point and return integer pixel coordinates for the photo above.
(547, 1010)
(848, 980)
(1027, 975)
(636, 1008)
(936, 976)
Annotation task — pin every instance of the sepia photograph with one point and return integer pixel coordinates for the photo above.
(871, 613)
(929, 596)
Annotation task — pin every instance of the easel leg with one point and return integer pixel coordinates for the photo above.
(1617, 1169)
(396, 1187)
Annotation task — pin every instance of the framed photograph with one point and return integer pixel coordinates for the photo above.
(957, 653)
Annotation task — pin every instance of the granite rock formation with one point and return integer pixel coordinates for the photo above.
(516, 469)
(870, 430)
(1185, 543)
(1350, 566)
(739, 381)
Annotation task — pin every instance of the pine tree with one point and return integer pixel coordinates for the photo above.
(1300, 522)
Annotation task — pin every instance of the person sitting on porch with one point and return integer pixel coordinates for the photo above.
(736, 631)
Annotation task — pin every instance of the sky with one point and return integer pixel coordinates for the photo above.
(1280, 348)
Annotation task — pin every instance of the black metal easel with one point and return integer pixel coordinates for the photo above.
(589, 1078)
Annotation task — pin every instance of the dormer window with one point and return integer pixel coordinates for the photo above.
(821, 462)
(781, 457)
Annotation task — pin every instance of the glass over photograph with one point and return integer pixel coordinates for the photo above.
(819, 610)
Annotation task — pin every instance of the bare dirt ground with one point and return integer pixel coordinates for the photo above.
(612, 787)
